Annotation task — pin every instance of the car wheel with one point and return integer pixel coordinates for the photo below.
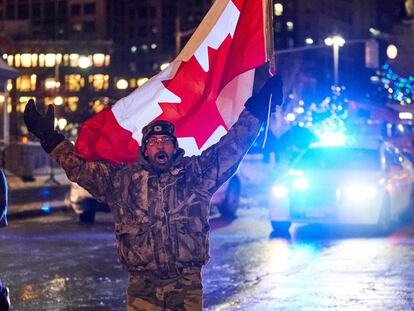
(281, 227)
(231, 201)
(384, 224)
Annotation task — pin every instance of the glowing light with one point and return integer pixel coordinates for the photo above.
(50, 60)
(309, 41)
(400, 127)
(335, 40)
(141, 81)
(278, 8)
(2, 99)
(405, 115)
(58, 101)
(122, 84)
(133, 49)
(392, 51)
(280, 191)
(360, 192)
(84, 62)
(164, 66)
(45, 208)
(332, 139)
(289, 25)
(299, 110)
(98, 59)
(290, 117)
(293, 172)
(61, 123)
(301, 184)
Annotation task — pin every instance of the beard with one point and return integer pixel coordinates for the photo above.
(161, 162)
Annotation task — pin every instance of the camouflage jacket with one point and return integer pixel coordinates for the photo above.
(161, 221)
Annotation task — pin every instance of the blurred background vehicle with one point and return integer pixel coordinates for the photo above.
(226, 200)
(367, 183)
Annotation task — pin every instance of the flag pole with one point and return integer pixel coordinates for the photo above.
(270, 43)
(270, 51)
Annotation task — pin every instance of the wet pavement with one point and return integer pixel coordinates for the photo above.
(53, 263)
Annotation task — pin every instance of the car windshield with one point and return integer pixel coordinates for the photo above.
(339, 158)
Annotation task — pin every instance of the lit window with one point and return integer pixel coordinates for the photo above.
(73, 60)
(141, 81)
(25, 84)
(77, 27)
(97, 106)
(58, 101)
(10, 60)
(34, 60)
(72, 103)
(59, 58)
(99, 59)
(17, 60)
(50, 60)
(22, 103)
(66, 60)
(84, 62)
(107, 60)
(49, 101)
(278, 8)
(122, 84)
(132, 83)
(51, 83)
(41, 60)
(9, 86)
(99, 82)
(74, 82)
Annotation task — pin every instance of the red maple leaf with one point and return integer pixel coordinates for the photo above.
(197, 115)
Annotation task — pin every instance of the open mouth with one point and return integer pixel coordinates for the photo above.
(161, 157)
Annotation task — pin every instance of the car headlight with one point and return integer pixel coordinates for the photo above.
(359, 192)
(280, 191)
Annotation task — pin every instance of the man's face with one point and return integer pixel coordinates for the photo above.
(160, 150)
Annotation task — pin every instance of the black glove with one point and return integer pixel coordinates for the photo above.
(258, 104)
(42, 126)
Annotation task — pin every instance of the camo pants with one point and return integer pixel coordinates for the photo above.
(182, 292)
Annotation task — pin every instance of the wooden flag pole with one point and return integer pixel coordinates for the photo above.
(270, 43)
(270, 51)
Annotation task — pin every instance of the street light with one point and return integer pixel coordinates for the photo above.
(392, 51)
(336, 42)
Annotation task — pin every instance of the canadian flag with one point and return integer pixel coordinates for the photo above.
(202, 92)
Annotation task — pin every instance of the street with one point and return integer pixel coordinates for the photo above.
(54, 263)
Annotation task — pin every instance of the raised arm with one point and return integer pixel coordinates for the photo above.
(219, 162)
(94, 176)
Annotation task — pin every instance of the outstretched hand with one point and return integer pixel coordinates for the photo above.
(273, 87)
(258, 104)
(38, 124)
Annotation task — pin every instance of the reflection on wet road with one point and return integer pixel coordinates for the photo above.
(52, 263)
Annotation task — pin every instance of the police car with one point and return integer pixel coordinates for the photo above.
(367, 183)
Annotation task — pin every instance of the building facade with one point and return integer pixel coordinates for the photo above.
(83, 55)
